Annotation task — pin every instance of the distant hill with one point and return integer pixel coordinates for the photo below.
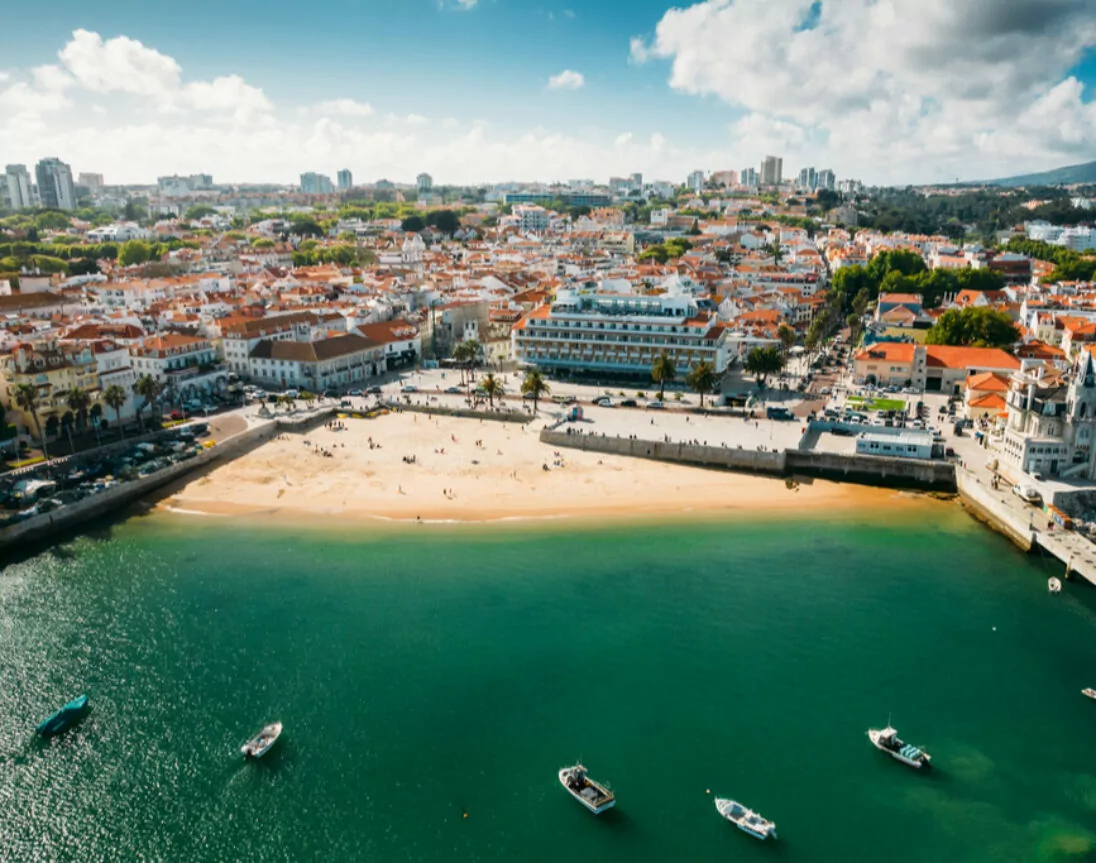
(1072, 175)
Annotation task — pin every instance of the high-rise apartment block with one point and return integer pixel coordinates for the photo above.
(345, 179)
(92, 181)
(425, 183)
(772, 171)
(748, 177)
(826, 180)
(20, 193)
(316, 184)
(695, 181)
(56, 191)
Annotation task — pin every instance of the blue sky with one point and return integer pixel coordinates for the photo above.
(884, 90)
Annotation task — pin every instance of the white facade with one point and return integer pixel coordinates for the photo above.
(531, 218)
(19, 187)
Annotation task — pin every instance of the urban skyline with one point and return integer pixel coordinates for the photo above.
(655, 89)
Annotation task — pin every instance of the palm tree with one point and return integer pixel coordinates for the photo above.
(492, 388)
(78, 402)
(662, 372)
(701, 379)
(534, 386)
(787, 337)
(308, 398)
(115, 398)
(460, 355)
(26, 397)
(67, 420)
(94, 417)
(473, 350)
(149, 389)
(284, 401)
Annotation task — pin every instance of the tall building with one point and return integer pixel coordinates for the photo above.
(425, 183)
(346, 180)
(826, 180)
(772, 171)
(808, 179)
(637, 181)
(748, 177)
(19, 187)
(92, 181)
(179, 187)
(724, 178)
(695, 181)
(55, 187)
(316, 184)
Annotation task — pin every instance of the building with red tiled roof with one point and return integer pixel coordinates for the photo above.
(934, 368)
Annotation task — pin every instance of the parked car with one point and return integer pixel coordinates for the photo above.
(603, 402)
(656, 404)
(374, 390)
(629, 403)
(409, 389)
(453, 391)
(1027, 493)
(355, 393)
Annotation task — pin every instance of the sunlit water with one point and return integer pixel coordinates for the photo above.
(427, 674)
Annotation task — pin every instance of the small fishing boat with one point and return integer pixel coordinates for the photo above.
(260, 744)
(745, 819)
(1054, 585)
(1090, 692)
(593, 795)
(887, 740)
(63, 719)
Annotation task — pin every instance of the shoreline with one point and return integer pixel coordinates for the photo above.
(486, 474)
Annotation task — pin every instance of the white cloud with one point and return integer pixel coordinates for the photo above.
(568, 79)
(345, 108)
(623, 140)
(228, 93)
(569, 13)
(21, 98)
(4, 76)
(894, 89)
(120, 64)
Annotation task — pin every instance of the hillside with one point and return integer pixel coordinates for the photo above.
(1071, 175)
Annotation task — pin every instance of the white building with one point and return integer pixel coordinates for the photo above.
(316, 184)
(119, 232)
(618, 333)
(316, 366)
(186, 366)
(345, 180)
(772, 171)
(695, 181)
(56, 190)
(531, 218)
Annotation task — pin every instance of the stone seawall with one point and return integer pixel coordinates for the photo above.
(980, 502)
(704, 456)
(70, 516)
(496, 416)
(865, 470)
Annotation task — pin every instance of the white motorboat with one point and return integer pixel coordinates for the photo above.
(887, 740)
(745, 819)
(1089, 692)
(260, 744)
(1054, 585)
(593, 795)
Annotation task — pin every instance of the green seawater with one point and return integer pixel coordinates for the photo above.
(427, 673)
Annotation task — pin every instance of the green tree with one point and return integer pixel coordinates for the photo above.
(262, 243)
(134, 252)
(198, 211)
(51, 220)
(115, 398)
(534, 386)
(663, 372)
(446, 221)
(787, 338)
(702, 379)
(149, 389)
(861, 301)
(412, 224)
(26, 399)
(303, 226)
(78, 401)
(979, 327)
(492, 388)
(763, 362)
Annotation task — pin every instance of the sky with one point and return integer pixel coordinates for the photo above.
(485, 91)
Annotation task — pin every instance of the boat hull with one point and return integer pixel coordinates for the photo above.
(726, 809)
(595, 809)
(61, 720)
(262, 743)
(897, 756)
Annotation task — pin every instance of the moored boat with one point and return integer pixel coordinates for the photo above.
(1054, 585)
(745, 819)
(260, 744)
(593, 795)
(1089, 691)
(887, 740)
(66, 717)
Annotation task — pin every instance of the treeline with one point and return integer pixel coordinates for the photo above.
(1069, 266)
(662, 252)
(900, 271)
(82, 259)
(310, 253)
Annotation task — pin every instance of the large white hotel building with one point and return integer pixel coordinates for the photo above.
(621, 333)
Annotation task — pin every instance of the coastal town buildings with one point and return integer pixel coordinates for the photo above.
(316, 366)
(928, 368)
(52, 368)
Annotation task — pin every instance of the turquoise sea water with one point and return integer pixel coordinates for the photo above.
(426, 673)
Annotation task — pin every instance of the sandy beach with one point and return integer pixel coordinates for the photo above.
(471, 470)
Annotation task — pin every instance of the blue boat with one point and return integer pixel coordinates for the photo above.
(64, 718)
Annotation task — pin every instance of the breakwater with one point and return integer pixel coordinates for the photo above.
(866, 470)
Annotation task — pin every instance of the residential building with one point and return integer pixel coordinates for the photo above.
(899, 309)
(748, 177)
(186, 366)
(618, 333)
(1052, 421)
(316, 366)
(316, 184)
(531, 219)
(425, 183)
(930, 368)
(772, 171)
(53, 368)
(637, 181)
(400, 343)
(728, 179)
(180, 187)
(114, 364)
(345, 179)
(985, 396)
(5, 198)
(93, 181)
(695, 181)
(118, 233)
(808, 179)
(239, 340)
(56, 191)
(850, 187)
(571, 197)
(20, 192)
(826, 180)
